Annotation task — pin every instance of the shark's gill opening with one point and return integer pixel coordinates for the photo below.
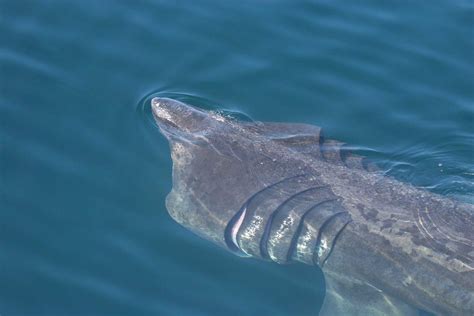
(347, 222)
(231, 232)
(291, 255)
(313, 231)
(329, 231)
(285, 208)
(232, 229)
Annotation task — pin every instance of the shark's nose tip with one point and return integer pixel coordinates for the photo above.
(160, 104)
(160, 110)
(175, 115)
(155, 102)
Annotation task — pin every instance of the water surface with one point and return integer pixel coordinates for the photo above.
(84, 172)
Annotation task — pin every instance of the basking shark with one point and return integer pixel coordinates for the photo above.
(282, 192)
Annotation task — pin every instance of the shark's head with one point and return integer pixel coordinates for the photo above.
(177, 119)
(210, 180)
(219, 164)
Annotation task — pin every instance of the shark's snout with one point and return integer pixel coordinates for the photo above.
(166, 112)
(173, 116)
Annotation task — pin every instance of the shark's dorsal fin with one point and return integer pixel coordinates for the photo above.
(309, 139)
(347, 296)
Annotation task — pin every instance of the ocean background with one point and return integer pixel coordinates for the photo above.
(84, 170)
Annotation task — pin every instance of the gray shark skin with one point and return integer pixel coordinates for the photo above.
(281, 192)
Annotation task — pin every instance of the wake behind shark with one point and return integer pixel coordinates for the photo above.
(282, 192)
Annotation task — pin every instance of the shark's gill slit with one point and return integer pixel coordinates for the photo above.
(265, 238)
(236, 226)
(294, 241)
(232, 229)
(324, 243)
(334, 242)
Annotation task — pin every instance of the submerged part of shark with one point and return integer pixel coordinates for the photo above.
(282, 192)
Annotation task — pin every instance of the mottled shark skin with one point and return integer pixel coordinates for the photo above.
(281, 192)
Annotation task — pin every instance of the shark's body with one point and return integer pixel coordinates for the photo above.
(281, 192)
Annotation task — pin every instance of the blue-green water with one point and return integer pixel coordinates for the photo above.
(84, 172)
